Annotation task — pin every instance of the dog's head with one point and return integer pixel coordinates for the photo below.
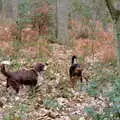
(39, 67)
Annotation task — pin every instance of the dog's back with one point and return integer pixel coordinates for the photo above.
(26, 77)
(75, 71)
(17, 78)
(22, 77)
(73, 68)
(74, 65)
(21, 74)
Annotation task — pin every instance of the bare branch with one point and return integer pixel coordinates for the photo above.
(113, 12)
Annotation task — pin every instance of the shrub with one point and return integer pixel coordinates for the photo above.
(34, 15)
(51, 104)
(112, 112)
(19, 114)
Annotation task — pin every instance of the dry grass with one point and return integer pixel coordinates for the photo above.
(99, 45)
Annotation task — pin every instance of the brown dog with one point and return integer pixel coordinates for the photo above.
(22, 77)
(75, 72)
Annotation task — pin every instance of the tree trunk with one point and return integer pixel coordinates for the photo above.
(15, 5)
(115, 15)
(116, 28)
(62, 21)
(9, 9)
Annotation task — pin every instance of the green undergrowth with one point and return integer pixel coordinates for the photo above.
(18, 112)
(105, 82)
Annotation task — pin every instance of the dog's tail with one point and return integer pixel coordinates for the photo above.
(7, 74)
(73, 59)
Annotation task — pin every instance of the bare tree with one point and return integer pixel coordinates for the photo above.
(62, 21)
(6, 9)
(9, 9)
(115, 15)
(15, 7)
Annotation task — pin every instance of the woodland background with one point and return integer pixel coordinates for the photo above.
(51, 31)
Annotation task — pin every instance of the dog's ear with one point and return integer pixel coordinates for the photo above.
(47, 63)
(39, 67)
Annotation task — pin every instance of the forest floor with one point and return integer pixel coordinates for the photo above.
(53, 99)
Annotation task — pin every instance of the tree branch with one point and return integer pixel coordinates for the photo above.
(113, 12)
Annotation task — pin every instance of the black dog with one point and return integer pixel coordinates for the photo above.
(75, 71)
(22, 77)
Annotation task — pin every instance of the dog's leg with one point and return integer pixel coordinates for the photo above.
(15, 86)
(32, 91)
(86, 79)
(81, 79)
(72, 82)
(7, 84)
